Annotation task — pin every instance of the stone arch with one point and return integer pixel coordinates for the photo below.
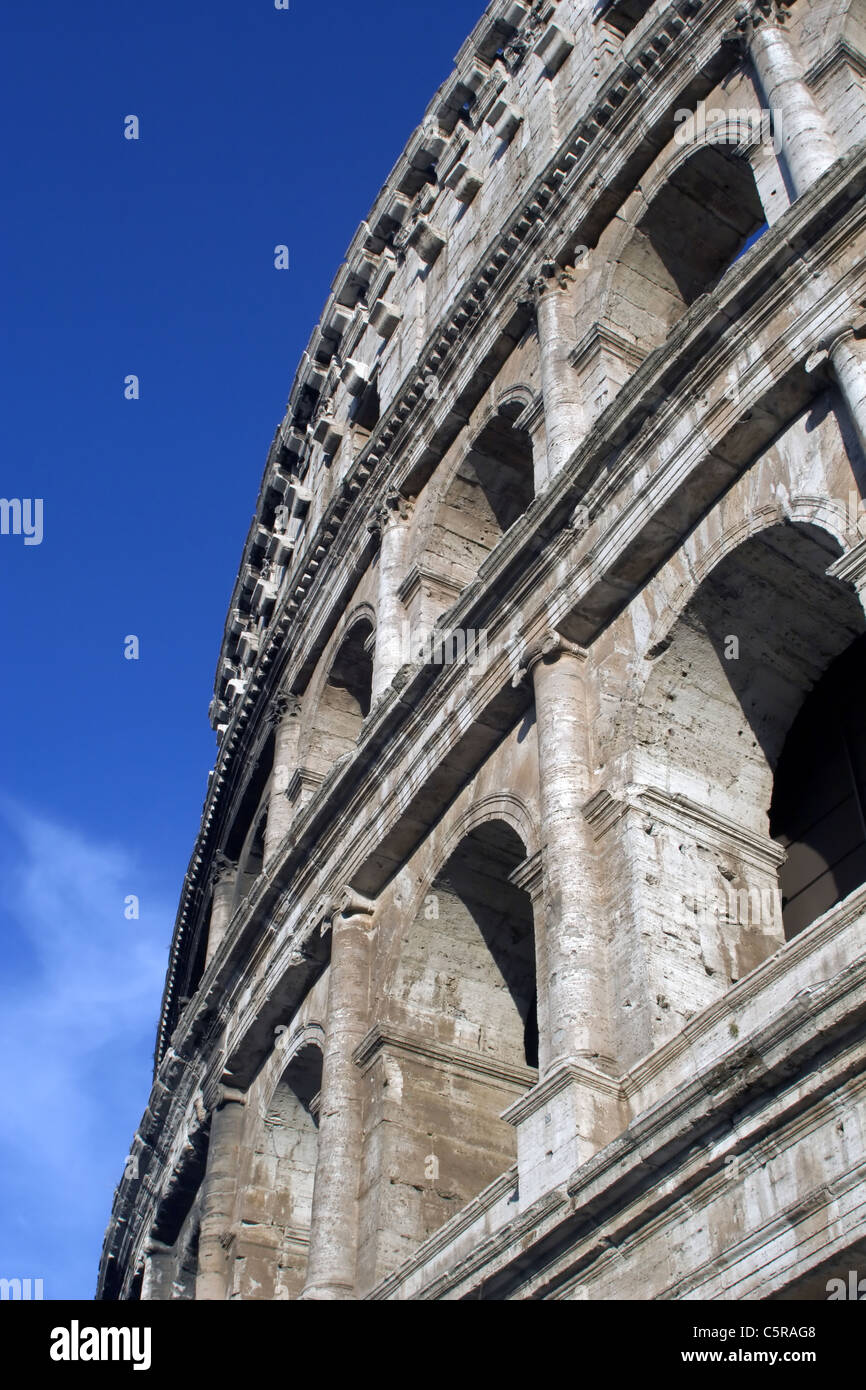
(475, 869)
(341, 702)
(507, 807)
(699, 896)
(756, 590)
(515, 398)
(707, 549)
(684, 229)
(458, 1045)
(470, 507)
(278, 1170)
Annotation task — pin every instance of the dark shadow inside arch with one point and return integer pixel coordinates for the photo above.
(702, 220)
(474, 886)
(490, 491)
(757, 703)
(352, 670)
(344, 702)
(818, 810)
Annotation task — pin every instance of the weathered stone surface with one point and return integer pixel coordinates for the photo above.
(521, 953)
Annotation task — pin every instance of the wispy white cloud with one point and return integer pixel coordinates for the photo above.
(79, 995)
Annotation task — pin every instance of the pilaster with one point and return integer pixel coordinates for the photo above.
(219, 1192)
(333, 1257)
(224, 875)
(563, 409)
(806, 145)
(285, 714)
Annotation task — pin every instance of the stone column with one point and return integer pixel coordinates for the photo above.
(223, 880)
(333, 1255)
(806, 145)
(576, 1107)
(560, 388)
(285, 713)
(846, 354)
(843, 354)
(393, 525)
(576, 983)
(218, 1194)
(159, 1262)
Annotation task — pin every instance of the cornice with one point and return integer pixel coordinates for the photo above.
(567, 1074)
(602, 811)
(842, 53)
(387, 1037)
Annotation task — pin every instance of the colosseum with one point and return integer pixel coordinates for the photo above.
(521, 953)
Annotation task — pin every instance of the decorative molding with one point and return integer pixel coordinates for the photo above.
(465, 182)
(385, 317)
(601, 337)
(532, 416)
(394, 508)
(387, 1037)
(749, 18)
(348, 905)
(547, 649)
(420, 576)
(427, 240)
(571, 1072)
(553, 48)
(842, 53)
(505, 119)
(216, 1094)
(715, 830)
(282, 707)
(602, 812)
(851, 567)
(528, 876)
(304, 779)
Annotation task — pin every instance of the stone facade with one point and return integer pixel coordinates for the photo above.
(522, 950)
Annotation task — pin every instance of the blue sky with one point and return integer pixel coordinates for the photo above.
(153, 257)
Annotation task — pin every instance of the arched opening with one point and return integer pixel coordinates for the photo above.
(252, 855)
(701, 221)
(702, 872)
(277, 1196)
(468, 965)
(462, 1035)
(344, 702)
(491, 489)
(819, 798)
